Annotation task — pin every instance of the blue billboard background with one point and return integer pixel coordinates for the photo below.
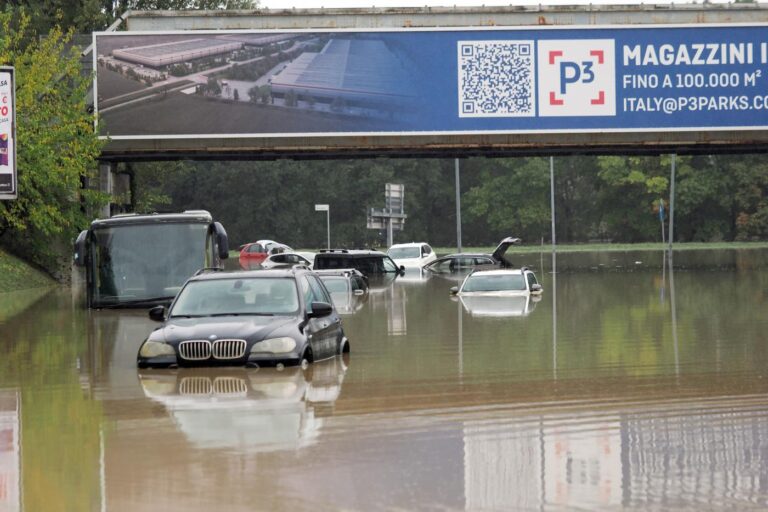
(458, 81)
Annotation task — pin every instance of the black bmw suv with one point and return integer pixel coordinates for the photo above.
(251, 318)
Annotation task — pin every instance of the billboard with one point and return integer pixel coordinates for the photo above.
(419, 81)
(7, 134)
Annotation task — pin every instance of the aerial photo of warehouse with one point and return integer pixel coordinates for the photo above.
(325, 80)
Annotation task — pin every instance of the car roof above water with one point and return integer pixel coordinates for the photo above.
(350, 252)
(409, 244)
(250, 274)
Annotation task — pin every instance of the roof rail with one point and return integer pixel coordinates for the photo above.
(208, 269)
(334, 250)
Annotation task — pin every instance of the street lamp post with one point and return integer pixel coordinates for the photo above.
(327, 209)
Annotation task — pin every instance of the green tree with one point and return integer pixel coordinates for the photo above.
(749, 191)
(630, 185)
(56, 144)
(512, 198)
(81, 16)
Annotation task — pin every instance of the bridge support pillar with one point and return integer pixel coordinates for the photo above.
(106, 185)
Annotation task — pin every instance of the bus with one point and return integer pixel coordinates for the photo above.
(133, 260)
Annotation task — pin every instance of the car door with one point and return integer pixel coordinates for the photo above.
(324, 332)
(427, 255)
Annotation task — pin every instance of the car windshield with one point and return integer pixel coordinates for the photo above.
(494, 283)
(404, 252)
(276, 296)
(335, 284)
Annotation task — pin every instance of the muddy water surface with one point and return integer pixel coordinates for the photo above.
(625, 386)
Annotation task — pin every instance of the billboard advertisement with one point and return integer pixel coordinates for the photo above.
(7, 134)
(419, 81)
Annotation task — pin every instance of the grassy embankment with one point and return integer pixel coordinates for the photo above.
(16, 274)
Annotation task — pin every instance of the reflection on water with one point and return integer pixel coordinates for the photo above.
(10, 451)
(246, 410)
(499, 306)
(641, 389)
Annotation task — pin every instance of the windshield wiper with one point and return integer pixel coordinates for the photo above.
(136, 303)
(185, 316)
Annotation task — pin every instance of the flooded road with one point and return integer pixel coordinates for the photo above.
(626, 385)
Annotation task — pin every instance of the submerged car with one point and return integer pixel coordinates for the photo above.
(368, 262)
(348, 288)
(254, 253)
(499, 282)
(466, 261)
(412, 255)
(250, 318)
(285, 259)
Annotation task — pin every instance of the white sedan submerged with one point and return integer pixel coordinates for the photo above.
(412, 255)
(499, 282)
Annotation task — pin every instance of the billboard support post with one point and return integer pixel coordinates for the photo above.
(458, 208)
(672, 205)
(552, 198)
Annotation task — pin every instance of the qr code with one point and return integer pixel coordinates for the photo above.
(496, 79)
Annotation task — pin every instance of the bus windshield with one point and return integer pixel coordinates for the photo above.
(145, 262)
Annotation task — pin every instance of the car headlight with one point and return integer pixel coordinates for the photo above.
(155, 348)
(275, 345)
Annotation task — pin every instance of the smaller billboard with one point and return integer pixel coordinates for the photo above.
(7, 134)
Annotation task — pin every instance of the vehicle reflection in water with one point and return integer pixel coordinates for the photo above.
(247, 410)
(499, 306)
(387, 295)
(414, 276)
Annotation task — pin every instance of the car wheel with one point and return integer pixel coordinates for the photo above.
(344, 346)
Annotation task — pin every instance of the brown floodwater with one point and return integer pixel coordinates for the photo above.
(627, 385)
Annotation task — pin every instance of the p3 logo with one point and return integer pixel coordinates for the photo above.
(577, 77)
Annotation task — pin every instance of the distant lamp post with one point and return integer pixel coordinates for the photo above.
(325, 208)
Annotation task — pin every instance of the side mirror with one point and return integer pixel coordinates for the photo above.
(80, 248)
(320, 309)
(402, 269)
(157, 313)
(536, 287)
(454, 290)
(222, 241)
